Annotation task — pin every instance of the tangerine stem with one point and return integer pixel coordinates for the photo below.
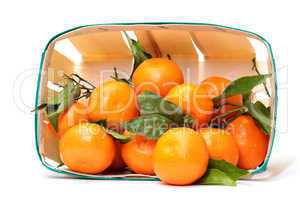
(82, 79)
(228, 103)
(254, 67)
(241, 109)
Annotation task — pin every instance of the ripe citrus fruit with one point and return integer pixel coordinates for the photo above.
(114, 101)
(221, 145)
(215, 85)
(192, 99)
(75, 114)
(251, 140)
(180, 156)
(87, 148)
(138, 154)
(157, 75)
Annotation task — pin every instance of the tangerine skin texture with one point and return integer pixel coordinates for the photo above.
(192, 99)
(157, 75)
(87, 148)
(251, 141)
(180, 156)
(138, 155)
(221, 145)
(75, 114)
(215, 86)
(114, 101)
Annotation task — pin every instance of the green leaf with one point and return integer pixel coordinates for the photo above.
(53, 119)
(261, 114)
(54, 97)
(64, 100)
(157, 116)
(138, 53)
(243, 85)
(69, 94)
(151, 103)
(118, 136)
(58, 97)
(263, 108)
(232, 171)
(151, 126)
(216, 177)
(51, 108)
(188, 121)
(102, 122)
(220, 172)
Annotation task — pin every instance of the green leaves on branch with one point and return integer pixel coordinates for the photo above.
(220, 172)
(151, 126)
(151, 103)
(138, 53)
(157, 116)
(75, 87)
(243, 85)
(59, 103)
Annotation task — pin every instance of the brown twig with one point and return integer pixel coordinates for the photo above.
(241, 109)
(254, 67)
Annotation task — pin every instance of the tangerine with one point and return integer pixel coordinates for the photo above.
(157, 75)
(221, 145)
(87, 148)
(180, 156)
(252, 142)
(75, 114)
(114, 101)
(214, 86)
(138, 154)
(192, 99)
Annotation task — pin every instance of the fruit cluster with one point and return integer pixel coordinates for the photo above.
(156, 124)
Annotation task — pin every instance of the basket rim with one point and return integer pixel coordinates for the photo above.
(260, 169)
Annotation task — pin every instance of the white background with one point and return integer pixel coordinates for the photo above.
(26, 26)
